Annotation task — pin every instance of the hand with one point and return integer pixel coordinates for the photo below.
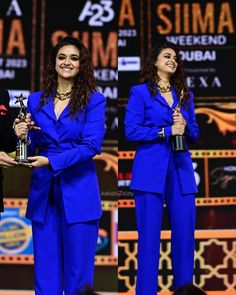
(177, 129)
(178, 118)
(37, 162)
(30, 123)
(21, 128)
(7, 161)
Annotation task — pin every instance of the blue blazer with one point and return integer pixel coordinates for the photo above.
(70, 146)
(145, 116)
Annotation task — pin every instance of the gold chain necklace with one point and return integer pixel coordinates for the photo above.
(63, 96)
(163, 89)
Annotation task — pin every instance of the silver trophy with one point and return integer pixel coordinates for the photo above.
(179, 141)
(22, 147)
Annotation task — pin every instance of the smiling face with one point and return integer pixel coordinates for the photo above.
(67, 62)
(166, 62)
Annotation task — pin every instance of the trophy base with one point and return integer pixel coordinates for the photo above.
(23, 161)
(22, 151)
(179, 143)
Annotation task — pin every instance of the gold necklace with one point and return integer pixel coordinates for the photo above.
(163, 89)
(63, 96)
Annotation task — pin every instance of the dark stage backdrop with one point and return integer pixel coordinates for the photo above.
(28, 29)
(205, 30)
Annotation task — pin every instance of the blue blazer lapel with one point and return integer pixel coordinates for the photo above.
(65, 112)
(162, 100)
(49, 109)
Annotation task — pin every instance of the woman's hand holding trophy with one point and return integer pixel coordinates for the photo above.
(178, 128)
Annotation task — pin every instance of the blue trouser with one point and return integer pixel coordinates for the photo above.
(181, 212)
(63, 253)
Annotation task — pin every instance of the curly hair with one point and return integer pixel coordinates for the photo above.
(84, 83)
(149, 72)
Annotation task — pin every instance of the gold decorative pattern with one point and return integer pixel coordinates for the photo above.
(19, 203)
(110, 160)
(218, 201)
(213, 154)
(199, 234)
(126, 155)
(126, 204)
(106, 260)
(129, 155)
(168, 293)
(22, 203)
(226, 122)
(208, 271)
(29, 259)
(109, 205)
(206, 241)
(16, 259)
(130, 257)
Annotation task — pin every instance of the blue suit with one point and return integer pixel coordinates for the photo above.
(161, 175)
(64, 200)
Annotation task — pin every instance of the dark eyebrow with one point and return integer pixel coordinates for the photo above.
(71, 54)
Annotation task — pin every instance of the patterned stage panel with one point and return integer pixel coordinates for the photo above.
(214, 260)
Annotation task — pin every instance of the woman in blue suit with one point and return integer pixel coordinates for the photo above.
(64, 200)
(155, 113)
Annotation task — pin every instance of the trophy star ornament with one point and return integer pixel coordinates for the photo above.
(22, 112)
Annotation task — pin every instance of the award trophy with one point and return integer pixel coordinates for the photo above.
(22, 147)
(179, 141)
